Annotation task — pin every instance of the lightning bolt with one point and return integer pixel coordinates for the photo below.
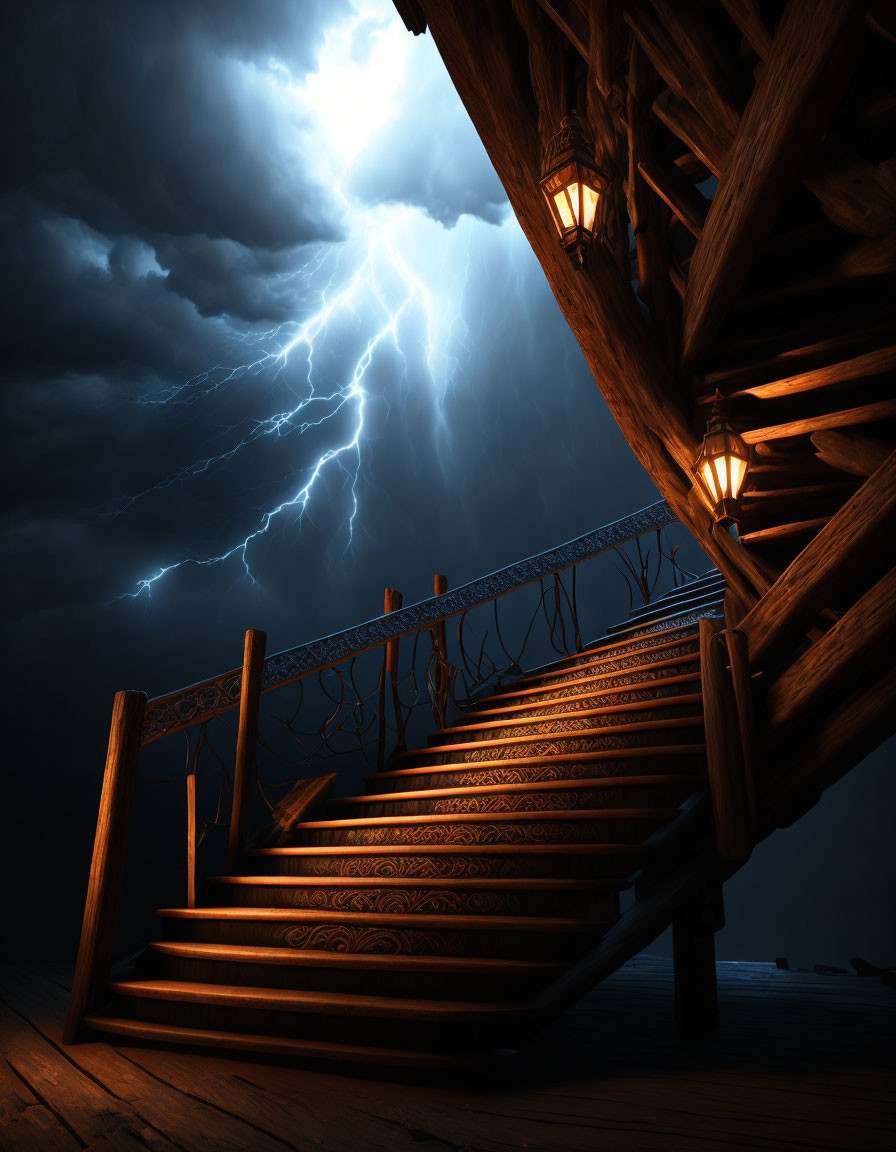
(363, 292)
(386, 298)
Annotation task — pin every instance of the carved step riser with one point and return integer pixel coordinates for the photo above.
(652, 629)
(547, 831)
(422, 1035)
(651, 688)
(430, 901)
(446, 866)
(684, 607)
(629, 796)
(423, 985)
(624, 650)
(541, 773)
(691, 733)
(635, 661)
(335, 937)
(565, 723)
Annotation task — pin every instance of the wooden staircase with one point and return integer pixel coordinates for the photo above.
(419, 923)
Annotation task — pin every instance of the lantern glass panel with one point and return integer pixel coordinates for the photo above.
(738, 471)
(589, 198)
(564, 209)
(709, 480)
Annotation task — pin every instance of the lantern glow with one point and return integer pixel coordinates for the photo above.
(572, 185)
(721, 467)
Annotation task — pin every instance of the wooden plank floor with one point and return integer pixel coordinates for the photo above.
(799, 1061)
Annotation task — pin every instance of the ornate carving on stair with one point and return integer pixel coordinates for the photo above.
(356, 938)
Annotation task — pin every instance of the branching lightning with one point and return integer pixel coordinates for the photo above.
(386, 296)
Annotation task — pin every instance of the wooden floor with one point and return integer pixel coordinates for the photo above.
(800, 1061)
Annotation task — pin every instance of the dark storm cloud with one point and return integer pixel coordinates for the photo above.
(430, 156)
(151, 118)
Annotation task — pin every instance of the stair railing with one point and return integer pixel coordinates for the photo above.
(433, 679)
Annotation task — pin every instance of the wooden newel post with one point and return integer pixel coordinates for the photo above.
(394, 601)
(250, 693)
(440, 672)
(107, 864)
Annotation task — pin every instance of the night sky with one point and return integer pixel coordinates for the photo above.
(272, 341)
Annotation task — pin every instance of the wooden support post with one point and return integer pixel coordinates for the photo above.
(739, 665)
(724, 754)
(107, 864)
(694, 958)
(247, 735)
(440, 672)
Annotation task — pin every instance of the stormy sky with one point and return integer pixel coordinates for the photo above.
(272, 341)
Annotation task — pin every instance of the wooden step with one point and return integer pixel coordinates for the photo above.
(599, 654)
(296, 1000)
(611, 861)
(595, 739)
(641, 660)
(320, 1015)
(569, 765)
(669, 609)
(556, 789)
(304, 1050)
(530, 937)
(370, 973)
(650, 687)
(515, 896)
(554, 722)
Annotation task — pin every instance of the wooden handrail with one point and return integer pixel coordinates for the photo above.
(210, 698)
(107, 862)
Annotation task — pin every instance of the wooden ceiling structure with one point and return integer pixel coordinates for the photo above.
(750, 249)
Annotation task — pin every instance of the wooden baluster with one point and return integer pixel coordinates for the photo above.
(723, 748)
(107, 864)
(440, 673)
(250, 692)
(393, 603)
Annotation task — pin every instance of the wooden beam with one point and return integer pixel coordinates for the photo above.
(570, 21)
(850, 452)
(850, 544)
(807, 69)
(864, 414)
(748, 17)
(852, 727)
(682, 50)
(688, 125)
(675, 190)
(856, 368)
(778, 532)
(854, 650)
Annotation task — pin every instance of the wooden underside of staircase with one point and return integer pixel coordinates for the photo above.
(420, 923)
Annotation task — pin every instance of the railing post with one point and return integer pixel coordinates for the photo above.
(394, 601)
(440, 672)
(250, 692)
(191, 833)
(107, 863)
(724, 750)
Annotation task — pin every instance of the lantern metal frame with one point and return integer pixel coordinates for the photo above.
(721, 467)
(573, 184)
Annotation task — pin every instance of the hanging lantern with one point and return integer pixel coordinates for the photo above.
(721, 466)
(573, 184)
